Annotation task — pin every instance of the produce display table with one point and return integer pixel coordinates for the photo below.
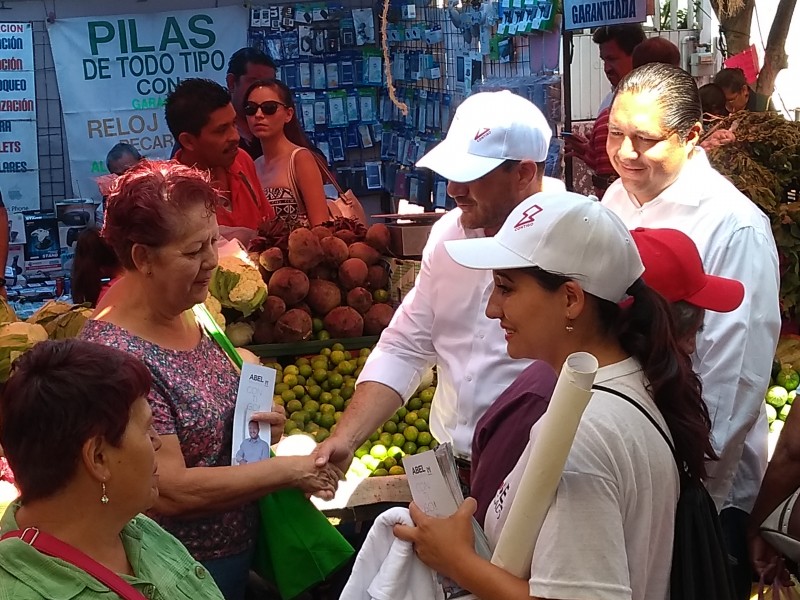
(297, 349)
(366, 499)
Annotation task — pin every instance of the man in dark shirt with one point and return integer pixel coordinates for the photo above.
(739, 95)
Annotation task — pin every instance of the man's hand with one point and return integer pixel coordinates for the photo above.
(720, 137)
(576, 145)
(336, 451)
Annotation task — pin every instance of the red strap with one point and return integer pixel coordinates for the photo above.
(51, 546)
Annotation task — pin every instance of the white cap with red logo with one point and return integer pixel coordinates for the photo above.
(488, 129)
(564, 233)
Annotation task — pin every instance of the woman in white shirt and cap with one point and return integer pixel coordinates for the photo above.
(567, 278)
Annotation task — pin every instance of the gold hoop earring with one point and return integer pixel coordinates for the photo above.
(104, 497)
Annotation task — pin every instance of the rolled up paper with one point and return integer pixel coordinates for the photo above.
(555, 434)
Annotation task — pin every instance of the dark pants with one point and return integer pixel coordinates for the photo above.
(231, 574)
(734, 530)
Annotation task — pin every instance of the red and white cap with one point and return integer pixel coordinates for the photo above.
(674, 269)
(563, 233)
(488, 129)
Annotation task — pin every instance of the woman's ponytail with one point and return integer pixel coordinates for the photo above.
(94, 261)
(646, 331)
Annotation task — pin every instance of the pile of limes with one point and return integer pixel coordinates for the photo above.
(315, 390)
(780, 396)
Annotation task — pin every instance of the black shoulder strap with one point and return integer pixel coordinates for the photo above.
(650, 418)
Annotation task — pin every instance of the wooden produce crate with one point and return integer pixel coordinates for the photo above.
(358, 500)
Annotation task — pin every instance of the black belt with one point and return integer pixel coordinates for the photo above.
(464, 469)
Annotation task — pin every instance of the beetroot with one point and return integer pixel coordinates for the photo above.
(336, 251)
(347, 236)
(378, 237)
(264, 332)
(360, 299)
(271, 259)
(323, 296)
(323, 272)
(377, 318)
(353, 273)
(288, 284)
(305, 251)
(272, 310)
(365, 252)
(293, 326)
(321, 232)
(344, 322)
(377, 277)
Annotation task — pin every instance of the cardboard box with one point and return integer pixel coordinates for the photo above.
(402, 276)
(42, 250)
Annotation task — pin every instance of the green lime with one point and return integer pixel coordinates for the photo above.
(345, 367)
(281, 387)
(278, 401)
(426, 395)
(314, 391)
(338, 346)
(411, 418)
(301, 380)
(320, 363)
(348, 389)
(306, 370)
(326, 421)
(362, 450)
(288, 396)
(379, 472)
(424, 438)
(362, 360)
(299, 391)
(385, 439)
(323, 335)
(312, 427)
(327, 409)
(290, 379)
(402, 412)
(789, 379)
(411, 433)
(409, 447)
(289, 426)
(379, 451)
(424, 413)
(320, 375)
(390, 427)
(322, 435)
(777, 396)
(337, 416)
(401, 426)
(398, 439)
(291, 370)
(422, 449)
(389, 462)
(316, 325)
(335, 380)
(326, 385)
(397, 470)
(301, 361)
(375, 436)
(337, 356)
(311, 406)
(293, 406)
(396, 452)
(421, 424)
(338, 402)
(394, 418)
(380, 296)
(299, 431)
(426, 405)
(434, 444)
(325, 398)
(364, 352)
(414, 404)
(302, 417)
(326, 352)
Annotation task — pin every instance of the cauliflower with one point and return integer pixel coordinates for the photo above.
(237, 284)
(215, 308)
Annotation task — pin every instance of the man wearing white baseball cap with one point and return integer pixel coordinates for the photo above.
(493, 157)
(568, 278)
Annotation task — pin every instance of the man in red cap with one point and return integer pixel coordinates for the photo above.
(674, 269)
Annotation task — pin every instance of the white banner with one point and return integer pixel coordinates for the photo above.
(114, 74)
(19, 148)
(585, 14)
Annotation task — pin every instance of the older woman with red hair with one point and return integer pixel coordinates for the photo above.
(161, 223)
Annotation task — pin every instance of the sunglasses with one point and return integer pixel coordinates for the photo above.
(270, 107)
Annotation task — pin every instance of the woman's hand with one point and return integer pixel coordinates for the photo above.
(767, 561)
(311, 479)
(275, 419)
(441, 543)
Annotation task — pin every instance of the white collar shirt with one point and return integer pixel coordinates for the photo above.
(443, 322)
(734, 350)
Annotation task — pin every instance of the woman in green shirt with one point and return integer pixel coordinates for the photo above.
(77, 431)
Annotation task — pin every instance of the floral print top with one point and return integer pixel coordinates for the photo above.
(193, 397)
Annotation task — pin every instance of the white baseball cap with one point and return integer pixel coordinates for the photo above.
(488, 129)
(564, 233)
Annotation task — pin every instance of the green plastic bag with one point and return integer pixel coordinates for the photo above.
(297, 547)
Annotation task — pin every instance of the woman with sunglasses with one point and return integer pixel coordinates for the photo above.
(288, 171)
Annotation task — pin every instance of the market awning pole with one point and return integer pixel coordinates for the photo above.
(566, 87)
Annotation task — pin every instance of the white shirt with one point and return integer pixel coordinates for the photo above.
(442, 321)
(609, 532)
(734, 350)
(387, 568)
